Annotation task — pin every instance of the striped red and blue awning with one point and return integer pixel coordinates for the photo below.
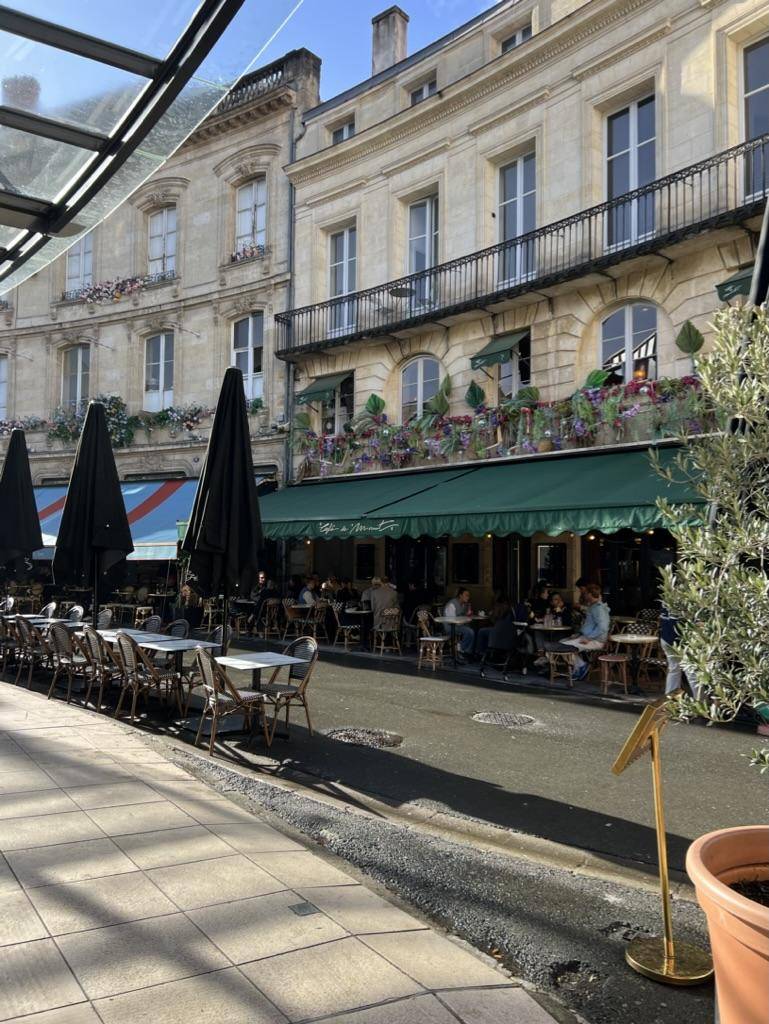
(154, 507)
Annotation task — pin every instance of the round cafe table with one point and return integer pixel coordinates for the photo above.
(636, 642)
(452, 622)
(364, 625)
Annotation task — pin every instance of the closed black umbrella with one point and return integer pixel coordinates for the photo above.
(19, 524)
(759, 285)
(94, 535)
(225, 529)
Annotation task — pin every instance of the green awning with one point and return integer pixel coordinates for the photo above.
(498, 349)
(737, 284)
(322, 389)
(346, 506)
(572, 492)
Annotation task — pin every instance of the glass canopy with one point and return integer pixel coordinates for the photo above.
(96, 96)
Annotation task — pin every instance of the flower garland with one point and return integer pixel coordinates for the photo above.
(26, 423)
(251, 251)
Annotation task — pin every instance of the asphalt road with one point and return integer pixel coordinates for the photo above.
(551, 778)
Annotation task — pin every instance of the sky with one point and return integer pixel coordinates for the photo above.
(339, 32)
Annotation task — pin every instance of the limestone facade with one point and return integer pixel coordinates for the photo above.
(248, 139)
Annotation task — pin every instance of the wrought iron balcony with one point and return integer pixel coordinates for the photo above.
(724, 189)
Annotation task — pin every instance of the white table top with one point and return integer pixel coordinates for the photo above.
(136, 634)
(173, 645)
(633, 638)
(358, 611)
(455, 620)
(259, 659)
(551, 629)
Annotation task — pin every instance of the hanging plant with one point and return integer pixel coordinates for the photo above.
(597, 378)
(475, 396)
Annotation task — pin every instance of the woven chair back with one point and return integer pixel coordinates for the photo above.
(179, 628)
(75, 614)
(49, 610)
(152, 624)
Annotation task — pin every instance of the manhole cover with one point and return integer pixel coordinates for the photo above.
(502, 718)
(365, 737)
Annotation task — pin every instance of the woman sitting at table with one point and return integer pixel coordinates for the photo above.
(558, 613)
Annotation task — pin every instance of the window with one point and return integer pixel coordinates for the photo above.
(465, 563)
(420, 381)
(343, 131)
(629, 343)
(426, 89)
(551, 564)
(423, 246)
(159, 372)
(162, 241)
(516, 372)
(80, 264)
(517, 216)
(365, 561)
(335, 413)
(251, 228)
(247, 351)
(76, 370)
(756, 71)
(630, 163)
(3, 386)
(343, 278)
(518, 37)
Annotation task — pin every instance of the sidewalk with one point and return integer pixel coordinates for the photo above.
(132, 894)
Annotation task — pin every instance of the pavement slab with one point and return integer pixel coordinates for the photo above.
(132, 893)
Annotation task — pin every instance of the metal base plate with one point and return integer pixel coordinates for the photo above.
(689, 965)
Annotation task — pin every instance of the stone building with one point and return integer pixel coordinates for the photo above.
(180, 282)
(554, 188)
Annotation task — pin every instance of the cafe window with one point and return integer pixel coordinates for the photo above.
(465, 563)
(515, 373)
(365, 561)
(159, 372)
(629, 343)
(337, 411)
(420, 381)
(247, 352)
(75, 375)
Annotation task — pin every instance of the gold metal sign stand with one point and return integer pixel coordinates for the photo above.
(662, 959)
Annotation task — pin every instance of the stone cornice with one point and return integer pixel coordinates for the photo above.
(633, 45)
(241, 117)
(534, 100)
(468, 91)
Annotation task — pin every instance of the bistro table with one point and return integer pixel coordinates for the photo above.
(254, 663)
(364, 625)
(452, 621)
(637, 642)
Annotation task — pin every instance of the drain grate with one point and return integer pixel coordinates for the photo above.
(365, 737)
(508, 720)
(304, 909)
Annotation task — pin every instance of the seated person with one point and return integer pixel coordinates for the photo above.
(382, 597)
(347, 593)
(458, 607)
(540, 600)
(559, 611)
(500, 634)
(307, 594)
(592, 635)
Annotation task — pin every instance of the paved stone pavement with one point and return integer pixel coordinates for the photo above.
(131, 893)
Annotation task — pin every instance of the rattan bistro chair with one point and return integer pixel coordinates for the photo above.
(104, 669)
(387, 632)
(135, 680)
(48, 611)
(222, 698)
(67, 657)
(75, 614)
(151, 624)
(347, 632)
(269, 619)
(432, 644)
(285, 695)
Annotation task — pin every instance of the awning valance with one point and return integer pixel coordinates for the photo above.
(498, 349)
(576, 493)
(153, 507)
(322, 389)
(737, 284)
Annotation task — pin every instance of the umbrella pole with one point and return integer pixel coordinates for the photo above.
(225, 619)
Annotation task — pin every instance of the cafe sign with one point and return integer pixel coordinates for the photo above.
(358, 528)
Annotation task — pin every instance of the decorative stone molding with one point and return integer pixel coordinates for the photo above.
(535, 100)
(247, 163)
(159, 192)
(633, 45)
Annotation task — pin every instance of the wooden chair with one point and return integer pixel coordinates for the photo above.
(179, 629)
(432, 644)
(561, 665)
(134, 679)
(411, 629)
(387, 633)
(7, 644)
(285, 695)
(613, 663)
(67, 656)
(222, 698)
(104, 619)
(269, 620)
(104, 669)
(349, 633)
(315, 624)
(152, 624)
(297, 617)
(34, 650)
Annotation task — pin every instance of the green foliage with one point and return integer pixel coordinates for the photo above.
(475, 396)
(254, 406)
(67, 424)
(689, 340)
(597, 378)
(438, 406)
(302, 421)
(375, 405)
(719, 589)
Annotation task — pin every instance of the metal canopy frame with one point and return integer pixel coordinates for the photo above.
(38, 218)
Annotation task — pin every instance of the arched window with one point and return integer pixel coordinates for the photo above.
(420, 380)
(75, 375)
(251, 227)
(159, 372)
(247, 351)
(162, 241)
(629, 343)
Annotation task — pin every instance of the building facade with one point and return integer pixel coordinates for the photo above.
(180, 282)
(553, 189)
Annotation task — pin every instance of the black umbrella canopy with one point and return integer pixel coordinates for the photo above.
(94, 534)
(225, 529)
(19, 524)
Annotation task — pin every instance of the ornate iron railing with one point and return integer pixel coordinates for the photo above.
(723, 189)
(253, 87)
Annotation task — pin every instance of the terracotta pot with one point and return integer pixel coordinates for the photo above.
(545, 445)
(739, 927)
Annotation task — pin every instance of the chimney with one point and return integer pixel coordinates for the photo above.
(389, 43)
(21, 92)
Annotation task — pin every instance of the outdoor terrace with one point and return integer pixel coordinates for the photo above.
(725, 189)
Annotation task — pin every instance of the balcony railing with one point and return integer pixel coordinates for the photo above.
(254, 86)
(113, 291)
(721, 190)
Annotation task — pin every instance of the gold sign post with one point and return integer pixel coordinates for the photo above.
(662, 959)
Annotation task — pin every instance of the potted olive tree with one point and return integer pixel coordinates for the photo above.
(719, 591)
